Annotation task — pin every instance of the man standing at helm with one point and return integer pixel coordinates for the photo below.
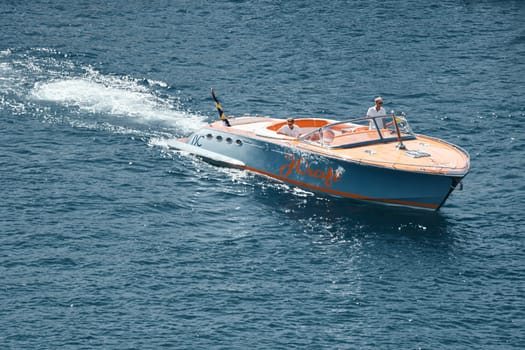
(377, 111)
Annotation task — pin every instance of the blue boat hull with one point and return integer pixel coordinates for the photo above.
(320, 173)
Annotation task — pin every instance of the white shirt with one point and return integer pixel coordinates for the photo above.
(373, 112)
(286, 130)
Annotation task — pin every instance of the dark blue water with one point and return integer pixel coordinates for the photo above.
(109, 240)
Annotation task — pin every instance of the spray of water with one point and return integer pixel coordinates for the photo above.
(40, 78)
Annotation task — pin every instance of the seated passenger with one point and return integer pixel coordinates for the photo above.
(289, 129)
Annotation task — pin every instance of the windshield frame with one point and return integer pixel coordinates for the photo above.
(360, 132)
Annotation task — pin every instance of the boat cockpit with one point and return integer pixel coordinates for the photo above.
(358, 132)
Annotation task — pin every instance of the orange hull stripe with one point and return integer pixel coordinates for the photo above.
(340, 193)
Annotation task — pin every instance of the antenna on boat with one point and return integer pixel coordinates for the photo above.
(400, 144)
(219, 108)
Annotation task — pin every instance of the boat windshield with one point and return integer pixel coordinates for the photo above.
(360, 131)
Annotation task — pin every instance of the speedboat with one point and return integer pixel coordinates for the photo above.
(370, 159)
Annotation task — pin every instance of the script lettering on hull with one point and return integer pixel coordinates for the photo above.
(300, 167)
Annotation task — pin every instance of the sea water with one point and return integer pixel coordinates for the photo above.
(110, 240)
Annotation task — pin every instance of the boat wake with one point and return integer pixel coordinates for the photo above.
(97, 98)
(51, 86)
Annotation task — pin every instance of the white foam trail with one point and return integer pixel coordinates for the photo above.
(61, 81)
(160, 142)
(5, 52)
(115, 97)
